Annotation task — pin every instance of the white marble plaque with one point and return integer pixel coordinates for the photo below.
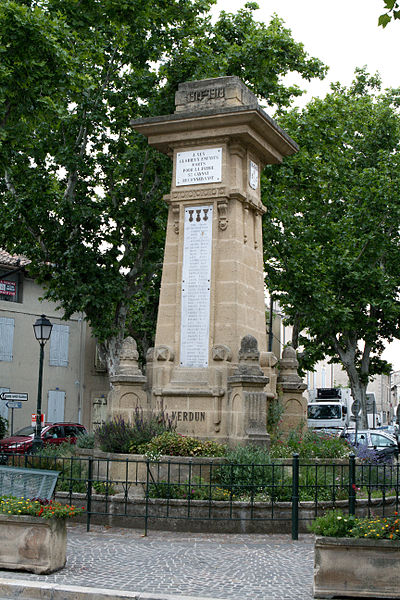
(196, 279)
(199, 166)
(253, 175)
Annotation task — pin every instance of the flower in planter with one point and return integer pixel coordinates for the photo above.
(335, 524)
(38, 507)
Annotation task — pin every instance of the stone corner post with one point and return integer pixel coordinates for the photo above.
(290, 388)
(248, 399)
(128, 385)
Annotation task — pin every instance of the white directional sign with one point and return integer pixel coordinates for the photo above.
(14, 404)
(13, 396)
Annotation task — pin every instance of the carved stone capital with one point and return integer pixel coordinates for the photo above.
(222, 207)
(176, 213)
(221, 352)
(128, 363)
(163, 353)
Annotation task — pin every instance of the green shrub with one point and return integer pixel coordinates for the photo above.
(103, 487)
(85, 440)
(310, 445)
(73, 472)
(249, 471)
(199, 489)
(171, 443)
(333, 524)
(3, 427)
(123, 437)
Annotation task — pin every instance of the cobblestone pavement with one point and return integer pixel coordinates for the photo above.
(234, 567)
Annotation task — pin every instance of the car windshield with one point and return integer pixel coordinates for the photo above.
(28, 430)
(328, 411)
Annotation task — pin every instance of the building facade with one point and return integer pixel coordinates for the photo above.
(327, 375)
(75, 384)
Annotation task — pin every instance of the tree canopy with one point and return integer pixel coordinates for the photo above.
(80, 192)
(392, 8)
(332, 228)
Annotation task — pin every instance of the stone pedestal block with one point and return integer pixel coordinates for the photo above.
(128, 391)
(290, 388)
(248, 400)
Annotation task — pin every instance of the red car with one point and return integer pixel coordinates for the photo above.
(52, 433)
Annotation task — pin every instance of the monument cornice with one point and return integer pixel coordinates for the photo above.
(248, 124)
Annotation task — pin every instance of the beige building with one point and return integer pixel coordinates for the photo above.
(75, 385)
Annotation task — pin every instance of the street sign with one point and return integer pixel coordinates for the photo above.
(14, 404)
(33, 419)
(355, 408)
(13, 396)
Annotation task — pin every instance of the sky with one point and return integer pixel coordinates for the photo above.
(344, 34)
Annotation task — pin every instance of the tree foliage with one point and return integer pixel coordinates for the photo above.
(80, 192)
(392, 8)
(332, 229)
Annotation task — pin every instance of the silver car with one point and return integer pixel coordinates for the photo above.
(381, 441)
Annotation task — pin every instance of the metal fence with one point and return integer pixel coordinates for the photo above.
(214, 495)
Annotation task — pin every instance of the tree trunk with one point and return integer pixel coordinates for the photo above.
(358, 387)
(111, 348)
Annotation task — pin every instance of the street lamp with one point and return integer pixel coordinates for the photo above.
(42, 329)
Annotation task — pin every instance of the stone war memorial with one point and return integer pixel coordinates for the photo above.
(210, 369)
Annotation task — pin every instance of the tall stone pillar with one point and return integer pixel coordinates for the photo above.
(212, 290)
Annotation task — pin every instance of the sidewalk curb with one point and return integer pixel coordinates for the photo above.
(30, 590)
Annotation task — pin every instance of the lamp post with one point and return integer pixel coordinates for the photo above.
(42, 329)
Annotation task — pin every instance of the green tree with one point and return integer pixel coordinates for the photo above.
(332, 229)
(392, 12)
(80, 192)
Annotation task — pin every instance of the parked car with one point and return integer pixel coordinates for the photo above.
(52, 433)
(384, 443)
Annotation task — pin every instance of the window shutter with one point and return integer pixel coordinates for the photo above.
(59, 340)
(55, 406)
(6, 338)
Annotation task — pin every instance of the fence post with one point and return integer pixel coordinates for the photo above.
(146, 515)
(89, 493)
(352, 484)
(295, 497)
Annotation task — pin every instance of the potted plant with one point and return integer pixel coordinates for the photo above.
(33, 534)
(357, 558)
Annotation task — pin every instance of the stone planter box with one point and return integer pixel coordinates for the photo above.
(356, 568)
(32, 543)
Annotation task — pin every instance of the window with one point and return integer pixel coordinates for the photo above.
(380, 441)
(327, 411)
(6, 338)
(59, 346)
(10, 287)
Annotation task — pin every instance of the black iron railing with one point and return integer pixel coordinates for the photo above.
(215, 495)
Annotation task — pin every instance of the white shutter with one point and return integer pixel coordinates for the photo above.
(6, 338)
(59, 346)
(55, 406)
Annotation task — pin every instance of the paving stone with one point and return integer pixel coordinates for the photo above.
(230, 566)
